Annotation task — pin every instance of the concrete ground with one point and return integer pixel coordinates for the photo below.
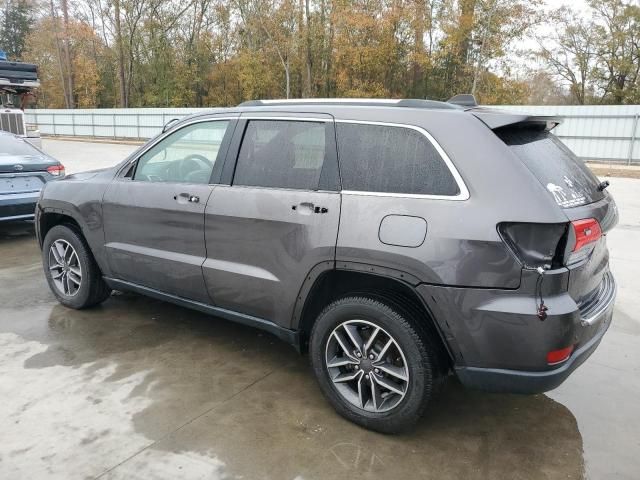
(141, 389)
(82, 156)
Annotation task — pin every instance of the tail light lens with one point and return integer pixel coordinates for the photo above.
(582, 238)
(57, 170)
(586, 231)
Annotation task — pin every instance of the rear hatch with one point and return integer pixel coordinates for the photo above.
(581, 196)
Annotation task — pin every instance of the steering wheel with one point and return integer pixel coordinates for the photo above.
(191, 163)
(199, 158)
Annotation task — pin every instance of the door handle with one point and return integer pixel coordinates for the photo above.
(186, 197)
(308, 207)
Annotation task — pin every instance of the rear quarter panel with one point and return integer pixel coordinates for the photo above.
(462, 246)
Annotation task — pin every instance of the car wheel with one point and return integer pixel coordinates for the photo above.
(70, 269)
(372, 363)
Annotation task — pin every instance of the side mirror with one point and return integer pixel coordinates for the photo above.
(167, 125)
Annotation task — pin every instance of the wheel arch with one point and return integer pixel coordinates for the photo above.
(322, 286)
(48, 218)
(89, 226)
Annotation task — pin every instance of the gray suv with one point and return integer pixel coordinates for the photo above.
(397, 241)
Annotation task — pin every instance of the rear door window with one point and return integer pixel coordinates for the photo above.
(282, 154)
(391, 159)
(564, 175)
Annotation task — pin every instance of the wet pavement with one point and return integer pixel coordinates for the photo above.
(141, 389)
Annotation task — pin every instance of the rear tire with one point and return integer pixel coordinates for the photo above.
(382, 390)
(71, 271)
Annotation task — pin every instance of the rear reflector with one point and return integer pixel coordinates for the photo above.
(57, 170)
(586, 231)
(558, 356)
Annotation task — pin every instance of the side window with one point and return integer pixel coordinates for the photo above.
(187, 155)
(389, 159)
(281, 153)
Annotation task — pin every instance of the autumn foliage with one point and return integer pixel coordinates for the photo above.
(106, 53)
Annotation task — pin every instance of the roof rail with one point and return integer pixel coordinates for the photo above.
(464, 100)
(385, 102)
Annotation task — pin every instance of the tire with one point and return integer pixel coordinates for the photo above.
(85, 286)
(415, 356)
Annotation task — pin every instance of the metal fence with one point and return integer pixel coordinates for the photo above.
(605, 133)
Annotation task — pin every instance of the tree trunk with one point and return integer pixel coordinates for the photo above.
(418, 50)
(120, 55)
(465, 24)
(476, 71)
(287, 73)
(60, 62)
(309, 58)
(67, 55)
(329, 55)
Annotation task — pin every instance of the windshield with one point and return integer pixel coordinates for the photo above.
(564, 175)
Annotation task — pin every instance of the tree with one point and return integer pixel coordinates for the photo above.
(616, 29)
(16, 21)
(42, 51)
(598, 57)
(571, 55)
(221, 52)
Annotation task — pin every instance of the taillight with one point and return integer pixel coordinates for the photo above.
(586, 231)
(57, 170)
(558, 356)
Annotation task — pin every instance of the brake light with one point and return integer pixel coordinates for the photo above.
(586, 231)
(558, 356)
(57, 170)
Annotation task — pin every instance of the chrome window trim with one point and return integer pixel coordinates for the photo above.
(287, 118)
(284, 189)
(153, 142)
(461, 196)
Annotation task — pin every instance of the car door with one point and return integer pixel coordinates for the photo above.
(154, 209)
(277, 218)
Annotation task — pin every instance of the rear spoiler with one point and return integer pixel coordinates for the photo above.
(495, 118)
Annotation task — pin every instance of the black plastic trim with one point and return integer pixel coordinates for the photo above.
(285, 334)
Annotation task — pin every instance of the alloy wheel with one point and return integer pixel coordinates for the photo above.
(65, 268)
(367, 366)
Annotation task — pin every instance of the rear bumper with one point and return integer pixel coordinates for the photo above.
(18, 206)
(499, 344)
(517, 381)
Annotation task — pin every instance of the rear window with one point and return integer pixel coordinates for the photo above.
(388, 159)
(564, 175)
(10, 145)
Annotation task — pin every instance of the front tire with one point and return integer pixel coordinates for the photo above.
(71, 271)
(373, 364)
